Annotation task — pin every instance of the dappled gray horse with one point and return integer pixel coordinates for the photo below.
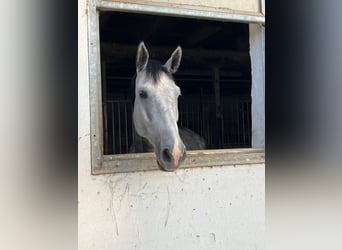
(155, 113)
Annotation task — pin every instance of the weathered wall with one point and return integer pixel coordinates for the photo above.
(200, 208)
(203, 208)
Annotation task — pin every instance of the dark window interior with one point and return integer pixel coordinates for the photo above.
(212, 51)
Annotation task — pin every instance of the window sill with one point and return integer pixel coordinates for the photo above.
(197, 158)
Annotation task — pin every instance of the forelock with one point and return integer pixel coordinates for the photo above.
(154, 69)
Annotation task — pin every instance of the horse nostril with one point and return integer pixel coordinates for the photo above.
(167, 155)
(183, 155)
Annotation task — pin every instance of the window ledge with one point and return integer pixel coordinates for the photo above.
(197, 158)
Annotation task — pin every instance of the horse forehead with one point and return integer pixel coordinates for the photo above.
(142, 78)
(164, 83)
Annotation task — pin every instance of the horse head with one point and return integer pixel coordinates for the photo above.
(155, 113)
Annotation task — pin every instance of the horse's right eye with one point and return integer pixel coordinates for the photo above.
(143, 94)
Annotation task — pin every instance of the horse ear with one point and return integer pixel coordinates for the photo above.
(142, 57)
(174, 61)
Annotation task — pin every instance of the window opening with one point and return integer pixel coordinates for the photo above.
(214, 76)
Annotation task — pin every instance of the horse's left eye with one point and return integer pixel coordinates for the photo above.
(143, 94)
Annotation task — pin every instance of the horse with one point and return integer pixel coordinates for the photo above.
(155, 111)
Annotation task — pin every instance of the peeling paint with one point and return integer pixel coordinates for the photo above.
(112, 185)
(168, 206)
(111, 188)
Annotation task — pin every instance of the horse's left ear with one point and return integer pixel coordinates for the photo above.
(174, 61)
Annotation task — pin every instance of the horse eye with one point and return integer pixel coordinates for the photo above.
(143, 94)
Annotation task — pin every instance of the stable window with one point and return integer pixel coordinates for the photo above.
(214, 77)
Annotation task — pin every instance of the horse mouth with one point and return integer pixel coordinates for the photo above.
(170, 166)
(162, 168)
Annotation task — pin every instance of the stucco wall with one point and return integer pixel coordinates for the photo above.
(200, 208)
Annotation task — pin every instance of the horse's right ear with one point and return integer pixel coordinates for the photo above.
(142, 57)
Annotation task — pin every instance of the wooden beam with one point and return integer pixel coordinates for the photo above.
(117, 52)
(201, 158)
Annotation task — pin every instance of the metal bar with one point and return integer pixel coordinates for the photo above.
(222, 127)
(197, 113)
(234, 133)
(119, 125)
(216, 87)
(200, 116)
(238, 122)
(187, 115)
(113, 128)
(249, 123)
(105, 127)
(192, 116)
(243, 122)
(104, 98)
(126, 127)
(210, 124)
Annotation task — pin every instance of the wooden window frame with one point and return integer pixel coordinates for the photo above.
(108, 164)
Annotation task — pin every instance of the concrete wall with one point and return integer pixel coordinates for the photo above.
(203, 208)
(200, 208)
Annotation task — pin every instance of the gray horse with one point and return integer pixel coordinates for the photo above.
(155, 113)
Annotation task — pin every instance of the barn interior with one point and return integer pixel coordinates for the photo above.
(214, 75)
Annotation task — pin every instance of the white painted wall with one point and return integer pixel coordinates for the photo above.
(201, 208)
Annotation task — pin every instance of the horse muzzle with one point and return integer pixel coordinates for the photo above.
(171, 159)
